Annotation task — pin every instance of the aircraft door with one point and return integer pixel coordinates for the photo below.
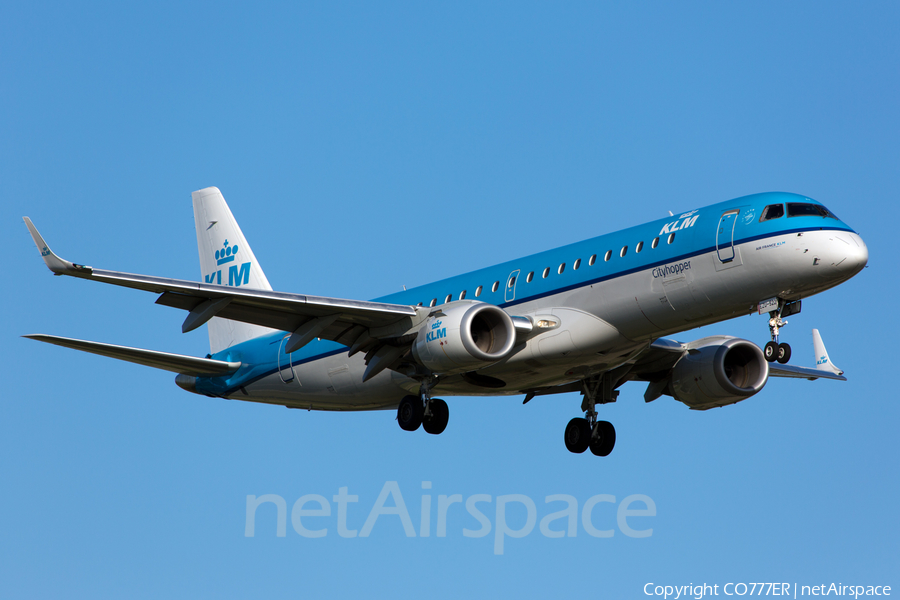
(285, 362)
(510, 293)
(725, 235)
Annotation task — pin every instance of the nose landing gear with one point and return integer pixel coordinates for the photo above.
(774, 350)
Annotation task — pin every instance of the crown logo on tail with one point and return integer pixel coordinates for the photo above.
(226, 254)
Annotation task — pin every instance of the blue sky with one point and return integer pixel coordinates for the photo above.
(364, 147)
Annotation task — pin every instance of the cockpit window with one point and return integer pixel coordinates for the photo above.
(772, 211)
(802, 209)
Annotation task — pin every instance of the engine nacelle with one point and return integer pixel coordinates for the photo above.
(465, 336)
(718, 371)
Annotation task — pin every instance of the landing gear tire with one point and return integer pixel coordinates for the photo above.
(440, 414)
(605, 441)
(410, 412)
(784, 353)
(578, 435)
(771, 351)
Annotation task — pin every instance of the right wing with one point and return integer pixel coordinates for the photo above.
(654, 364)
(824, 369)
(777, 370)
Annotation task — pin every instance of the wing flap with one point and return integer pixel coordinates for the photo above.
(176, 363)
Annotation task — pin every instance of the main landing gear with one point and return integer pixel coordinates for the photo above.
(774, 350)
(431, 413)
(588, 432)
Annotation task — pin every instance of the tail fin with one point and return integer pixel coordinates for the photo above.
(225, 259)
(823, 363)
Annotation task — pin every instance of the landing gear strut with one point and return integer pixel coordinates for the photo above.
(775, 350)
(431, 413)
(588, 432)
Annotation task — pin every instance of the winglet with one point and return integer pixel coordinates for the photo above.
(58, 265)
(823, 363)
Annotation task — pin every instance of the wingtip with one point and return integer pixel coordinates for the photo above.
(39, 337)
(59, 266)
(823, 361)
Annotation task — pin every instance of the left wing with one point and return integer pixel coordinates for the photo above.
(358, 324)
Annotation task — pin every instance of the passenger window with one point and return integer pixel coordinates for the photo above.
(671, 238)
(562, 268)
(462, 295)
(546, 272)
(511, 282)
(433, 302)
(577, 264)
(448, 298)
(639, 247)
(419, 304)
(496, 286)
(623, 251)
(529, 277)
(772, 211)
(654, 243)
(608, 255)
(592, 260)
(478, 291)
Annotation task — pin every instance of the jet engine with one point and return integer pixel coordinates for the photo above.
(718, 371)
(464, 336)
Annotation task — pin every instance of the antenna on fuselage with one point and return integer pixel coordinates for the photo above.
(671, 214)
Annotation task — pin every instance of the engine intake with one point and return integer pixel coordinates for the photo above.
(718, 371)
(464, 336)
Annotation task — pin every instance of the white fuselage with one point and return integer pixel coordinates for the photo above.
(598, 326)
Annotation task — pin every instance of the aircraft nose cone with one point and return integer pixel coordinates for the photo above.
(857, 256)
(849, 254)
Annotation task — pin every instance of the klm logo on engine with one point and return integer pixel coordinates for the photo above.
(437, 332)
(237, 275)
(684, 221)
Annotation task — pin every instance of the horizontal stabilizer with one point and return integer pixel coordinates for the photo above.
(177, 363)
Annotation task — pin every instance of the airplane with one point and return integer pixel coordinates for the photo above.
(586, 317)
